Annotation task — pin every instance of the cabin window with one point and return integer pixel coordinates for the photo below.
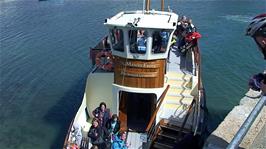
(138, 41)
(117, 39)
(160, 41)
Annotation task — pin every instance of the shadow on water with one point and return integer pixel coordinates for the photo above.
(62, 113)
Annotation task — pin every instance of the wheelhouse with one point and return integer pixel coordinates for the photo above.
(139, 35)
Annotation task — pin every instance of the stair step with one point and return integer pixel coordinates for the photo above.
(173, 111)
(175, 90)
(174, 75)
(162, 145)
(171, 106)
(173, 128)
(179, 94)
(185, 79)
(168, 135)
(176, 82)
(177, 124)
(178, 100)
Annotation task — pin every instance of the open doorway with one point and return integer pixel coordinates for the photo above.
(136, 109)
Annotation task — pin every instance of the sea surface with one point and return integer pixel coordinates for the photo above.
(44, 47)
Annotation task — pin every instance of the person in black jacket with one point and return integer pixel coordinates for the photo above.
(102, 114)
(113, 125)
(99, 135)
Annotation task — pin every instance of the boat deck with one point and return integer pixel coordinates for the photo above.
(179, 62)
(180, 78)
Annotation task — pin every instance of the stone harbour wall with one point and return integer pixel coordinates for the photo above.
(224, 133)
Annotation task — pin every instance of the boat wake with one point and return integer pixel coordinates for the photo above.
(238, 18)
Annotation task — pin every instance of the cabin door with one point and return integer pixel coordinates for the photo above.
(135, 110)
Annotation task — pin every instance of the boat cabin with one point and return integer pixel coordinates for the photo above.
(139, 35)
(140, 43)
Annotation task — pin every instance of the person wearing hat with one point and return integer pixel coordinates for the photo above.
(257, 30)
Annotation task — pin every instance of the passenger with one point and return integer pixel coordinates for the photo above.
(183, 19)
(98, 134)
(190, 41)
(141, 41)
(94, 147)
(164, 36)
(106, 43)
(102, 113)
(117, 35)
(257, 30)
(74, 146)
(119, 142)
(76, 132)
(181, 31)
(184, 22)
(156, 42)
(113, 125)
(191, 28)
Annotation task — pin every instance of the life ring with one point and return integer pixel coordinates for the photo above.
(106, 64)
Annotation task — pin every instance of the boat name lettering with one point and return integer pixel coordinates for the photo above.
(140, 65)
(146, 75)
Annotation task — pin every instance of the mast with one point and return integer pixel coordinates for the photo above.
(162, 5)
(148, 5)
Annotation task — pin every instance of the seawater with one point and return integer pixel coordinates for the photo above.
(44, 47)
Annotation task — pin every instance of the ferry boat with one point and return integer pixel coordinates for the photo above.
(154, 87)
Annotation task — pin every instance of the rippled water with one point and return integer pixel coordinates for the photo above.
(44, 60)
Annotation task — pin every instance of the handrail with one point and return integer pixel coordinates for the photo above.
(67, 135)
(197, 60)
(161, 99)
(247, 124)
(186, 118)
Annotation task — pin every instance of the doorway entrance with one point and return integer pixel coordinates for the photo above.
(135, 110)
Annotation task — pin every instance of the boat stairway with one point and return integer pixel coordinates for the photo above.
(178, 97)
(169, 135)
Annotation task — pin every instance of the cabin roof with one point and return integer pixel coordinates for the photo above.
(147, 19)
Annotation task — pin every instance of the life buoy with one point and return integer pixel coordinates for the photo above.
(105, 64)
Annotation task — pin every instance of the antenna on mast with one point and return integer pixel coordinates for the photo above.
(143, 6)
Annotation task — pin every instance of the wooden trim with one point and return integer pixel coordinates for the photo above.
(139, 73)
(131, 73)
(161, 99)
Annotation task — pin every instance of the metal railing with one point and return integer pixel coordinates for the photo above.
(151, 126)
(247, 124)
(197, 60)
